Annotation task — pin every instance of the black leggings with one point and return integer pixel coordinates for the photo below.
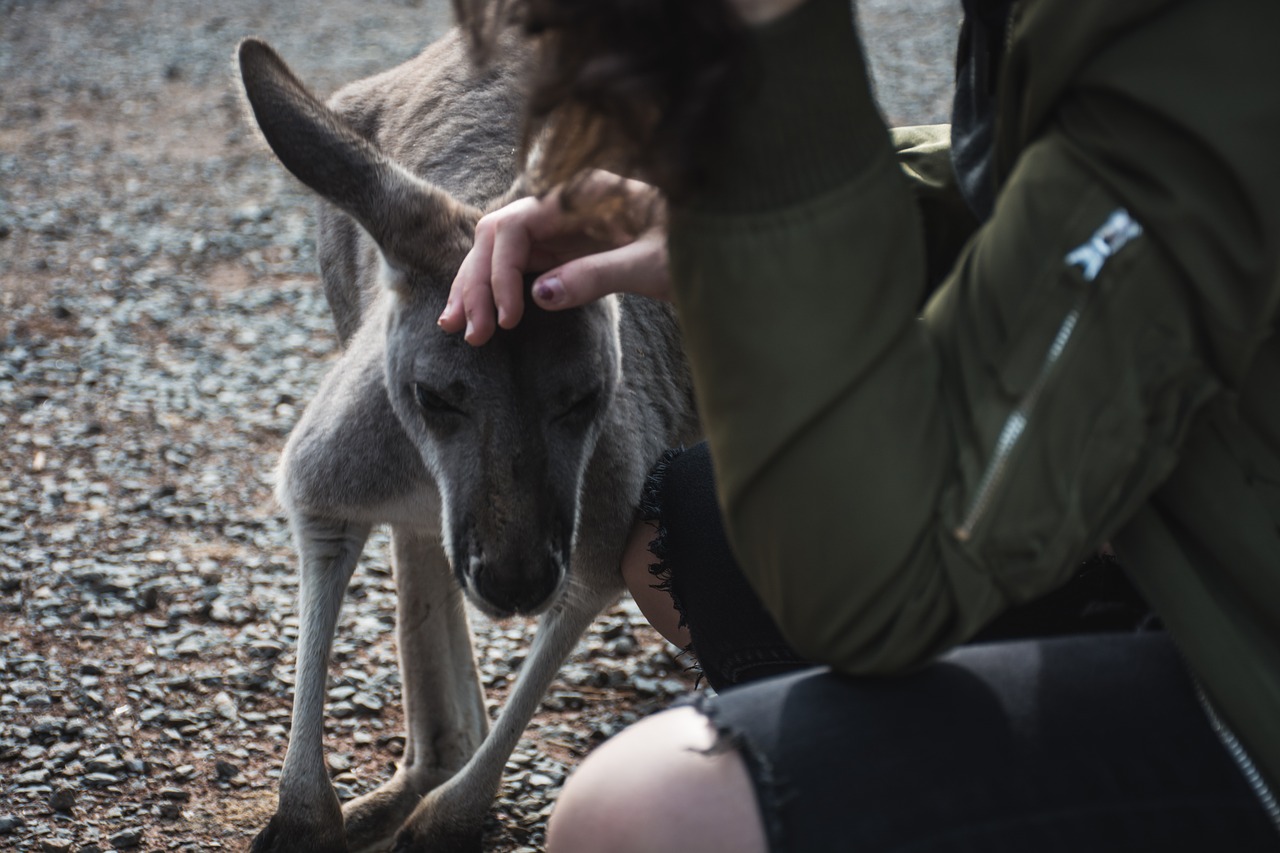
(1020, 742)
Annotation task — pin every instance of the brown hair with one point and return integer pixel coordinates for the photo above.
(633, 86)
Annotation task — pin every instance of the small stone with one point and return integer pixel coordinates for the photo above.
(63, 799)
(56, 845)
(10, 823)
(126, 839)
(32, 777)
(367, 702)
(645, 686)
(622, 647)
(339, 762)
(675, 687)
(226, 771)
(225, 706)
(107, 763)
(176, 794)
(265, 649)
(101, 780)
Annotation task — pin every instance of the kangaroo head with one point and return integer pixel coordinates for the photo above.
(506, 430)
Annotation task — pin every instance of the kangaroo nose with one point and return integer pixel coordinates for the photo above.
(512, 590)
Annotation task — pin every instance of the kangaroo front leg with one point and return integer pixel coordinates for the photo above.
(451, 817)
(445, 717)
(309, 818)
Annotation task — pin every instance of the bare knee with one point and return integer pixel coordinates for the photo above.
(655, 787)
(656, 604)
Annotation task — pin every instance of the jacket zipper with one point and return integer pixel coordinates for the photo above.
(1241, 758)
(1014, 428)
(1090, 257)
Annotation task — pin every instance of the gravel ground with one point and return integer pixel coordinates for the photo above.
(160, 329)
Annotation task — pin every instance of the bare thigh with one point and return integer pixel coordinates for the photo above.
(666, 783)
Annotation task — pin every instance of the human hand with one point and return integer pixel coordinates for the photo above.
(581, 258)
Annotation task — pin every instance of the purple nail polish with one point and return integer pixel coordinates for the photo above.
(548, 290)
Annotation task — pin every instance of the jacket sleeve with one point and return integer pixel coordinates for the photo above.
(799, 273)
(890, 479)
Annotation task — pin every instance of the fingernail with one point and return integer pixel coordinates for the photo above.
(467, 333)
(548, 290)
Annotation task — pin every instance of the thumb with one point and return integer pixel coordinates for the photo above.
(639, 267)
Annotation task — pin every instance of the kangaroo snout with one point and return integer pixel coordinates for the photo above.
(522, 587)
(511, 549)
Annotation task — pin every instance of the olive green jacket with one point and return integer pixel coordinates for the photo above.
(893, 476)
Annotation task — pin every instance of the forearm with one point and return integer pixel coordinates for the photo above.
(797, 271)
(803, 202)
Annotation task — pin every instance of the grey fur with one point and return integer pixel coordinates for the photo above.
(509, 472)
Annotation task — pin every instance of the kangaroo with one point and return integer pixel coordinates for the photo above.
(508, 473)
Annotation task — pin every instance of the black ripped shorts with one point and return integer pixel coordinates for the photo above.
(1069, 724)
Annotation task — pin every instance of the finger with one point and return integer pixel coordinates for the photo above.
(454, 317)
(512, 245)
(639, 267)
(477, 297)
(492, 274)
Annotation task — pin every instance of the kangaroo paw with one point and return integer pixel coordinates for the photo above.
(374, 819)
(440, 838)
(446, 821)
(284, 836)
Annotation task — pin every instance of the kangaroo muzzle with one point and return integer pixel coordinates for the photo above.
(512, 587)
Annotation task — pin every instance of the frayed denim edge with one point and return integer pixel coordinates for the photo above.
(770, 793)
(650, 510)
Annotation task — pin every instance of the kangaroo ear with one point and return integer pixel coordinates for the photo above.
(415, 224)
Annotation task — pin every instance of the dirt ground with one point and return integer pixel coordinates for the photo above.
(161, 329)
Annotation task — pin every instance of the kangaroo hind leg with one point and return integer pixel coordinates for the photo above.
(445, 718)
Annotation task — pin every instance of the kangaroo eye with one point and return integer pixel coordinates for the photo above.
(583, 407)
(432, 403)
